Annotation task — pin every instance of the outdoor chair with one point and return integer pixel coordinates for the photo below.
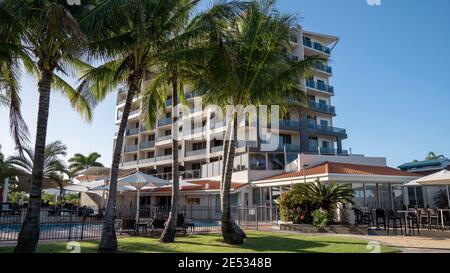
(358, 216)
(380, 218)
(119, 225)
(424, 217)
(181, 225)
(394, 221)
(434, 218)
(413, 222)
(157, 223)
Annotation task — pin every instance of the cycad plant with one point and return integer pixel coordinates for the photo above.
(248, 64)
(43, 38)
(325, 195)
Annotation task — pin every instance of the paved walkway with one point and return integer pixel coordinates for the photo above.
(406, 244)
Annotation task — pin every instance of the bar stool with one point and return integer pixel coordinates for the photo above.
(396, 221)
(413, 222)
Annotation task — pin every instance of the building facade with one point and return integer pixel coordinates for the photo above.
(200, 148)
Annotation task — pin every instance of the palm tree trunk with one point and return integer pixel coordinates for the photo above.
(29, 233)
(168, 234)
(231, 232)
(108, 241)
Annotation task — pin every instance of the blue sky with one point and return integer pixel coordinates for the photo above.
(390, 69)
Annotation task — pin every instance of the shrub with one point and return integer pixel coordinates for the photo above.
(294, 209)
(321, 218)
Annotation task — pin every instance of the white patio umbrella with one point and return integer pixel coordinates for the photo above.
(439, 178)
(139, 181)
(182, 183)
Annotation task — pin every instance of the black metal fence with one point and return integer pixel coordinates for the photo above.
(87, 222)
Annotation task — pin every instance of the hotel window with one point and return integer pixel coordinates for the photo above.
(193, 201)
(276, 161)
(325, 144)
(370, 190)
(134, 157)
(384, 196)
(168, 151)
(322, 103)
(151, 137)
(198, 146)
(167, 132)
(358, 189)
(397, 196)
(168, 114)
(150, 154)
(285, 139)
(324, 123)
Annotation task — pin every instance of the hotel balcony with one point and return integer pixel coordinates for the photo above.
(289, 124)
(195, 152)
(320, 86)
(132, 131)
(163, 158)
(130, 148)
(217, 125)
(164, 122)
(147, 145)
(281, 146)
(322, 108)
(163, 138)
(146, 160)
(325, 150)
(326, 130)
(323, 67)
(130, 163)
(316, 46)
(217, 149)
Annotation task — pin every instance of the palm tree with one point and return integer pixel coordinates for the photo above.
(54, 165)
(432, 156)
(81, 162)
(7, 170)
(248, 63)
(129, 42)
(44, 38)
(325, 196)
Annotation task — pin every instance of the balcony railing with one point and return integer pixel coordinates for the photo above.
(325, 128)
(147, 160)
(323, 67)
(147, 144)
(316, 46)
(247, 143)
(163, 157)
(189, 174)
(129, 163)
(323, 108)
(219, 124)
(198, 130)
(164, 121)
(130, 148)
(216, 149)
(162, 138)
(320, 86)
(196, 152)
(289, 124)
(132, 131)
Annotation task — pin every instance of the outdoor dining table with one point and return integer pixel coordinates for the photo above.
(442, 217)
(406, 212)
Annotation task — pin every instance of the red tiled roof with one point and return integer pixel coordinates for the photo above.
(202, 185)
(343, 168)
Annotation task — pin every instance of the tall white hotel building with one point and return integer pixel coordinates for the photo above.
(150, 150)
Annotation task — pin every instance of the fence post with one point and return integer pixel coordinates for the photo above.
(256, 216)
(276, 215)
(70, 225)
(82, 227)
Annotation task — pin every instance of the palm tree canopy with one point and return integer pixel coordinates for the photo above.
(38, 36)
(54, 165)
(325, 195)
(247, 60)
(81, 162)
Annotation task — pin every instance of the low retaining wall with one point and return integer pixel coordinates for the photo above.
(337, 229)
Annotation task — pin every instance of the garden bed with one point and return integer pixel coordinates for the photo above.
(336, 229)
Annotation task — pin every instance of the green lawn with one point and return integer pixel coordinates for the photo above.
(208, 243)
